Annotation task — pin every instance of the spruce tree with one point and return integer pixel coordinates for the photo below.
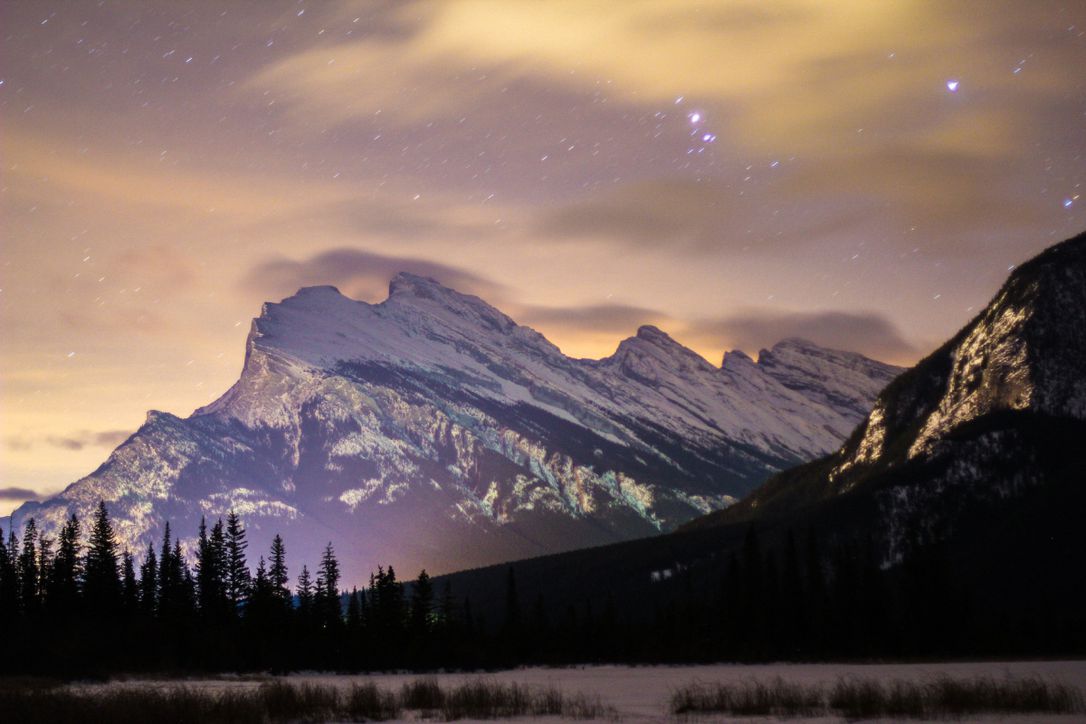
(277, 572)
(327, 590)
(130, 592)
(63, 587)
(305, 593)
(28, 569)
(45, 567)
(9, 579)
(149, 583)
(101, 583)
(210, 570)
(238, 579)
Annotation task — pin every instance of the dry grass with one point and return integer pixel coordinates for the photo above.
(855, 698)
(47, 702)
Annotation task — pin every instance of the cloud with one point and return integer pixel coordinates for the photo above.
(868, 333)
(12, 493)
(88, 438)
(359, 274)
(593, 318)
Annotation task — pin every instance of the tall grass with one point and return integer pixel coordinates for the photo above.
(278, 701)
(855, 698)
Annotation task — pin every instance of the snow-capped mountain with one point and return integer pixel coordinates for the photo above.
(432, 430)
(996, 414)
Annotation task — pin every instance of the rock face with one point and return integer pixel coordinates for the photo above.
(991, 415)
(432, 430)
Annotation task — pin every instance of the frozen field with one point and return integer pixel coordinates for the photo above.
(642, 693)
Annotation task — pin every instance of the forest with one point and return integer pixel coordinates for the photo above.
(79, 606)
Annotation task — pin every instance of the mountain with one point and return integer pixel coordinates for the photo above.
(432, 430)
(948, 524)
(993, 414)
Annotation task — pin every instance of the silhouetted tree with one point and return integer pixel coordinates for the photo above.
(63, 587)
(149, 583)
(277, 572)
(28, 569)
(422, 603)
(238, 578)
(130, 592)
(101, 584)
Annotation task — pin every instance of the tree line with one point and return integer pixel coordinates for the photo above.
(71, 606)
(74, 605)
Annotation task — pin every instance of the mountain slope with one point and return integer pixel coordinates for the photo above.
(963, 492)
(971, 425)
(432, 430)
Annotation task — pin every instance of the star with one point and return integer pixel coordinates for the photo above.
(695, 117)
(952, 86)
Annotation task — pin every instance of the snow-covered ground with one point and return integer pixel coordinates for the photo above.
(642, 693)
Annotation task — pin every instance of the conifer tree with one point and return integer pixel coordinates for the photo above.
(238, 578)
(171, 594)
(45, 567)
(28, 569)
(63, 586)
(277, 572)
(9, 578)
(101, 584)
(149, 583)
(130, 592)
(210, 570)
(305, 590)
(327, 590)
(261, 597)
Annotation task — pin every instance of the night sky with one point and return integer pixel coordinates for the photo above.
(860, 173)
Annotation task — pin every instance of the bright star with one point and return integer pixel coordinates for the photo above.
(1067, 203)
(952, 86)
(695, 117)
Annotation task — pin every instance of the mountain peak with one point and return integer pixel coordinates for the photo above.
(406, 283)
(652, 333)
(645, 355)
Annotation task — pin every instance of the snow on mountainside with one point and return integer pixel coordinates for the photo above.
(997, 411)
(432, 430)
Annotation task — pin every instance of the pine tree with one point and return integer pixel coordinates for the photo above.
(210, 570)
(327, 591)
(305, 592)
(277, 572)
(63, 586)
(101, 584)
(149, 583)
(261, 597)
(9, 578)
(28, 569)
(130, 592)
(45, 567)
(171, 593)
(238, 579)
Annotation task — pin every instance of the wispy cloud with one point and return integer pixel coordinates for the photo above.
(12, 493)
(359, 274)
(871, 334)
